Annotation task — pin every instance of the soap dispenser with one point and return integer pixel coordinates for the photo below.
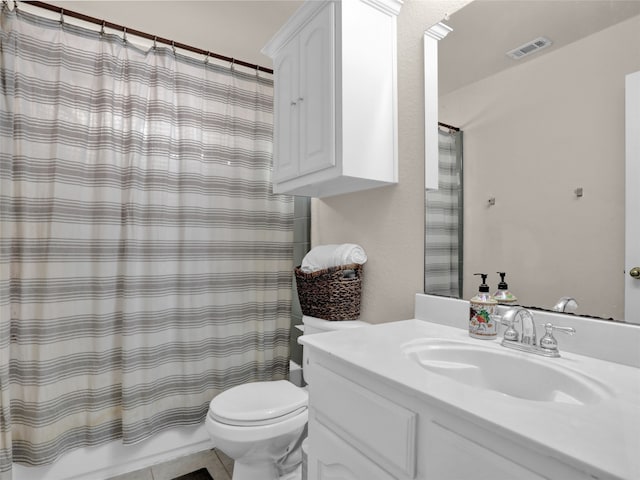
(482, 308)
(503, 295)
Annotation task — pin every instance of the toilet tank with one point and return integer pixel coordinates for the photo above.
(314, 325)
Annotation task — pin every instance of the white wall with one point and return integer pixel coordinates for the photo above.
(532, 135)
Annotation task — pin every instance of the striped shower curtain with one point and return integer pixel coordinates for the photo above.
(145, 265)
(443, 235)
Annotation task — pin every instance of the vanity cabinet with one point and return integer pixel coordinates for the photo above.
(363, 427)
(335, 105)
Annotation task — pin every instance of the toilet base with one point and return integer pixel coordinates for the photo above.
(294, 475)
(255, 470)
(263, 471)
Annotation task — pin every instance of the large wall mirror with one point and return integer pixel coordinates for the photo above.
(543, 146)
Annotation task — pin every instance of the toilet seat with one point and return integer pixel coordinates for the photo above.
(258, 403)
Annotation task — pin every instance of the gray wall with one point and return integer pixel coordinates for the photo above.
(301, 245)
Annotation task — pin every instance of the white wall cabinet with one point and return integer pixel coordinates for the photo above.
(363, 427)
(335, 98)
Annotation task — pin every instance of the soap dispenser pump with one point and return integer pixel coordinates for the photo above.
(482, 308)
(503, 295)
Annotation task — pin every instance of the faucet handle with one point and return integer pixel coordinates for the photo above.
(549, 342)
(510, 334)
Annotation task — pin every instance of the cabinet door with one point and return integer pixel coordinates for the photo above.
(331, 458)
(316, 99)
(285, 154)
(347, 409)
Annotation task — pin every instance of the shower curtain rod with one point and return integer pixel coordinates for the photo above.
(137, 33)
(455, 129)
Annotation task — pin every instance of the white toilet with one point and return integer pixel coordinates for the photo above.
(260, 425)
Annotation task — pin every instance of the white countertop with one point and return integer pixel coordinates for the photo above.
(601, 438)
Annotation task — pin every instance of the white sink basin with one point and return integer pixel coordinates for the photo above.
(492, 367)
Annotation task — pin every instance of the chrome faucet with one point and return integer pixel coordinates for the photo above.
(526, 341)
(566, 304)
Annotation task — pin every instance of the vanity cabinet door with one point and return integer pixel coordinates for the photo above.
(331, 458)
(382, 430)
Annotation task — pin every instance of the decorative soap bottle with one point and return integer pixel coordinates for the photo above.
(503, 295)
(482, 308)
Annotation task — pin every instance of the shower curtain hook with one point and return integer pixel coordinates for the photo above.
(62, 16)
(155, 43)
(233, 64)
(102, 28)
(5, 4)
(124, 35)
(206, 58)
(173, 46)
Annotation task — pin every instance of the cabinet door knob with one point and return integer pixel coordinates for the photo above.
(635, 272)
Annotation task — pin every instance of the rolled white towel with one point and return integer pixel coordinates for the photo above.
(349, 253)
(326, 256)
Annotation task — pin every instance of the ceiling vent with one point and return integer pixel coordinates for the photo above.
(529, 48)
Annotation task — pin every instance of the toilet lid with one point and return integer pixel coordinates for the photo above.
(258, 403)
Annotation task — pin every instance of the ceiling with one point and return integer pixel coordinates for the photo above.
(484, 30)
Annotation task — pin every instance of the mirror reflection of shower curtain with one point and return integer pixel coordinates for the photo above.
(443, 235)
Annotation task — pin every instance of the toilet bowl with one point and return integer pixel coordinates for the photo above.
(261, 425)
(257, 424)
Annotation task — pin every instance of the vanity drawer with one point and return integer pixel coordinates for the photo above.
(384, 431)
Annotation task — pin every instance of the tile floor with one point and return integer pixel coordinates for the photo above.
(220, 467)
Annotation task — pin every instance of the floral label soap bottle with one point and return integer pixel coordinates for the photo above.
(482, 308)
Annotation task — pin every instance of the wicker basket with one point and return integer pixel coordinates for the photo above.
(332, 294)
